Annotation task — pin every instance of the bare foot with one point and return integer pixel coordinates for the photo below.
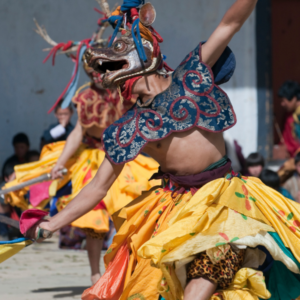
(95, 278)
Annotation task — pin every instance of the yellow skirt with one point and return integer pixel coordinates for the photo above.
(82, 167)
(164, 234)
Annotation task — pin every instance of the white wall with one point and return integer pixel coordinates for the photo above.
(28, 88)
(242, 89)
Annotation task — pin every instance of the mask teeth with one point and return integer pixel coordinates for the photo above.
(141, 72)
(154, 61)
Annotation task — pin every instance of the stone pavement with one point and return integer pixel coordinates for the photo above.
(43, 272)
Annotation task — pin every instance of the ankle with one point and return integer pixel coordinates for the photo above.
(95, 277)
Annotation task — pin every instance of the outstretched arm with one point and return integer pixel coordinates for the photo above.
(85, 201)
(72, 144)
(231, 23)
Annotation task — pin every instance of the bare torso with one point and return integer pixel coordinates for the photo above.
(182, 153)
(187, 153)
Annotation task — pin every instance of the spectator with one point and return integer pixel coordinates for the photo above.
(33, 156)
(61, 129)
(272, 180)
(293, 184)
(9, 172)
(21, 148)
(255, 163)
(290, 101)
(6, 209)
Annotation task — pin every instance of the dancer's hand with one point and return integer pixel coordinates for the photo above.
(56, 172)
(40, 229)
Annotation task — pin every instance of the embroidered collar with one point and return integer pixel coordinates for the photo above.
(192, 100)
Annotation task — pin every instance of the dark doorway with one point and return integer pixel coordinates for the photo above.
(285, 15)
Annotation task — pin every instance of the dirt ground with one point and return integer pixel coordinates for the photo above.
(43, 272)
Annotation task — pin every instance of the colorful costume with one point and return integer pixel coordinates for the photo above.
(218, 225)
(95, 108)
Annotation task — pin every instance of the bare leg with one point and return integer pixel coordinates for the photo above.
(199, 289)
(94, 247)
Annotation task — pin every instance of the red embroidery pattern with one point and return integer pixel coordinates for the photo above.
(98, 107)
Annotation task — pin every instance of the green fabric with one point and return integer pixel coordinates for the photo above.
(281, 282)
(285, 250)
(223, 161)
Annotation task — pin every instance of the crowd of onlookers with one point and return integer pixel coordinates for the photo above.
(287, 180)
(255, 163)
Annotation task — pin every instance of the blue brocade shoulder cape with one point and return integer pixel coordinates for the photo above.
(192, 100)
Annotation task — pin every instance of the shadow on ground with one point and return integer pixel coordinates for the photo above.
(73, 291)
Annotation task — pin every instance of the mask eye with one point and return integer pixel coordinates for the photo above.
(119, 46)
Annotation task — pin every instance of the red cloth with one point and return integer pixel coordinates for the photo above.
(29, 218)
(110, 285)
(100, 205)
(39, 192)
(291, 142)
(13, 214)
(126, 90)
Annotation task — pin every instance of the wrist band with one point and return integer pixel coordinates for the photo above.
(44, 234)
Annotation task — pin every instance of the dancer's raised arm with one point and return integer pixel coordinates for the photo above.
(72, 144)
(231, 23)
(85, 201)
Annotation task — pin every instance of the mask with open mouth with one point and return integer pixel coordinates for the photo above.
(121, 61)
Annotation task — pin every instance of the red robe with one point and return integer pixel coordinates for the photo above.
(290, 139)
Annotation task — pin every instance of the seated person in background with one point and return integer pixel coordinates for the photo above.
(290, 101)
(293, 184)
(21, 148)
(6, 209)
(255, 163)
(271, 179)
(33, 156)
(60, 130)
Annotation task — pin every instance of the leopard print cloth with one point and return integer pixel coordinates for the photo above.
(92, 233)
(221, 273)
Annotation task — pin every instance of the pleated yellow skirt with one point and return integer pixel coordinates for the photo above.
(164, 234)
(82, 167)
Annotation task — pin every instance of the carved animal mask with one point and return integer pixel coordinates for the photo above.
(92, 74)
(121, 61)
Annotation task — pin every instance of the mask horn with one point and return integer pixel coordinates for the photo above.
(147, 14)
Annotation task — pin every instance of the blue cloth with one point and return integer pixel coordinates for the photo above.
(192, 100)
(286, 193)
(128, 4)
(224, 67)
(20, 240)
(48, 139)
(112, 21)
(136, 35)
(64, 191)
(73, 86)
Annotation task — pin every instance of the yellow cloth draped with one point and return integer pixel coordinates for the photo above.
(247, 284)
(9, 250)
(163, 231)
(129, 185)
(82, 167)
(49, 156)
